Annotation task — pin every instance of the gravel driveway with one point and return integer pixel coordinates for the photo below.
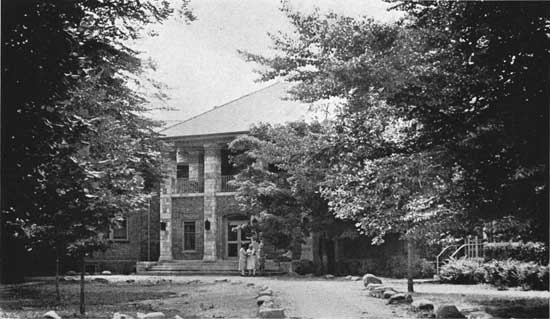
(305, 297)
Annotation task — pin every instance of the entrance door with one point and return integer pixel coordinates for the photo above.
(235, 238)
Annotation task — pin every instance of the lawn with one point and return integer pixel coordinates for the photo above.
(510, 303)
(187, 299)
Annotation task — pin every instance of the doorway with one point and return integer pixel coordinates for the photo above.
(234, 237)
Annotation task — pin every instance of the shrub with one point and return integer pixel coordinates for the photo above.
(303, 267)
(460, 271)
(500, 273)
(530, 251)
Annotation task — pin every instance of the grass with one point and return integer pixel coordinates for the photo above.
(104, 299)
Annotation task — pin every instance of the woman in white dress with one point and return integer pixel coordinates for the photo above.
(251, 260)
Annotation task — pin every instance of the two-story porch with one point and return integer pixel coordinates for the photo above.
(198, 210)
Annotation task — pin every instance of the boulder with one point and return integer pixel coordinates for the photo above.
(448, 311)
(479, 315)
(348, 277)
(355, 278)
(51, 315)
(268, 304)
(422, 305)
(178, 317)
(250, 284)
(267, 292)
(101, 280)
(71, 273)
(268, 312)
(260, 300)
(400, 298)
(371, 279)
(221, 280)
(140, 315)
(106, 273)
(329, 276)
(378, 292)
(154, 315)
(388, 293)
(118, 315)
(373, 286)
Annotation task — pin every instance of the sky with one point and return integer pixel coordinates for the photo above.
(198, 62)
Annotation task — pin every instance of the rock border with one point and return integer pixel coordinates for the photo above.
(266, 305)
(424, 307)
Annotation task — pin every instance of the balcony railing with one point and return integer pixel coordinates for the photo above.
(185, 185)
(225, 187)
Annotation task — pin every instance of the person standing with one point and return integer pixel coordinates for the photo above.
(242, 259)
(251, 260)
(261, 257)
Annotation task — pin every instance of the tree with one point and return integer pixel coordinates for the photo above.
(282, 168)
(461, 80)
(80, 154)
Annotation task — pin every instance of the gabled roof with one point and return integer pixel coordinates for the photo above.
(267, 105)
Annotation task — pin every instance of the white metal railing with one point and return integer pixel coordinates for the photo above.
(225, 187)
(438, 257)
(185, 185)
(472, 248)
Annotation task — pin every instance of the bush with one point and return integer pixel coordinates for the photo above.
(461, 271)
(303, 266)
(510, 273)
(530, 251)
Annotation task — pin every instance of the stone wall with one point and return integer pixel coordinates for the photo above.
(187, 209)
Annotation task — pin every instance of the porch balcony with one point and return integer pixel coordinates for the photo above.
(186, 185)
(225, 187)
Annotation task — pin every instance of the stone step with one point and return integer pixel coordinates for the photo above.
(200, 267)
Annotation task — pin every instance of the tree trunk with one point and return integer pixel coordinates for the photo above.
(57, 293)
(410, 251)
(337, 268)
(82, 300)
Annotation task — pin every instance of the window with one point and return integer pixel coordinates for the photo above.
(182, 171)
(189, 236)
(120, 232)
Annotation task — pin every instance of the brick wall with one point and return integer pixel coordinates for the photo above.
(187, 209)
(121, 256)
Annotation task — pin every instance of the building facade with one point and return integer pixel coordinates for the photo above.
(195, 216)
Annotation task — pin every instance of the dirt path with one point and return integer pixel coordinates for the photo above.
(305, 297)
(319, 298)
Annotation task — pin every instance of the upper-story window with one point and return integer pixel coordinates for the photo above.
(182, 171)
(227, 167)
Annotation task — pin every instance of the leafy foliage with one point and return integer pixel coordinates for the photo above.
(445, 112)
(530, 251)
(509, 272)
(281, 171)
(79, 152)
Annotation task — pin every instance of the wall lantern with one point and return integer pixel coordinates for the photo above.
(207, 225)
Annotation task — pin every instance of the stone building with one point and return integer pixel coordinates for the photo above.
(191, 226)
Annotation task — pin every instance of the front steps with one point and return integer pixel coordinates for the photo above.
(200, 267)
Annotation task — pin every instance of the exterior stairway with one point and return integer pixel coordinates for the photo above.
(200, 267)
